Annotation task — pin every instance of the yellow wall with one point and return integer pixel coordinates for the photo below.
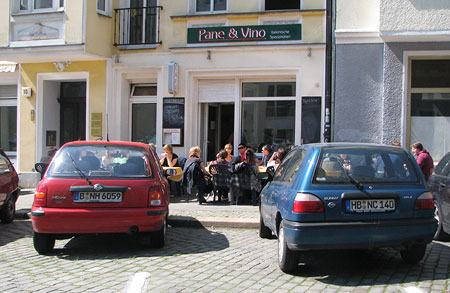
(99, 32)
(29, 72)
(4, 24)
(74, 21)
(313, 30)
(242, 6)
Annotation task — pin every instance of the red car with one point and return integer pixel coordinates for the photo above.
(9, 189)
(93, 187)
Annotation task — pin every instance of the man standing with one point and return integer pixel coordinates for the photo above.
(423, 159)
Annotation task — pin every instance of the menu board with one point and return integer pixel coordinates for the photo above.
(173, 121)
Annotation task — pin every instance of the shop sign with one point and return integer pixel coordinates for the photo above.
(255, 33)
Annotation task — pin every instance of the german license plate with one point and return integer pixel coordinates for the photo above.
(100, 196)
(370, 205)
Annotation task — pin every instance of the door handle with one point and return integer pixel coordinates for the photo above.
(442, 184)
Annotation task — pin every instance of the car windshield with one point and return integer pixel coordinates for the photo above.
(100, 161)
(341, 165)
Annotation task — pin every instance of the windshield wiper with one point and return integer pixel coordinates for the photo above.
(81, 173)
(354, 181)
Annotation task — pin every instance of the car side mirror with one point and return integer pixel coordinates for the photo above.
(270, 173)
(41, 168)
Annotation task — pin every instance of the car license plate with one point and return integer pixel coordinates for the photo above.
(102, 196)
(370, 205)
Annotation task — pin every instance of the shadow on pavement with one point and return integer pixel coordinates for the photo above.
(377, 267)
(179, 241)
(13, 231)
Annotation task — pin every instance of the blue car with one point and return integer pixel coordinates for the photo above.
(347, 196)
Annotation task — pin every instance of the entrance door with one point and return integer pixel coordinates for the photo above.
(219, 128)
(73, 111)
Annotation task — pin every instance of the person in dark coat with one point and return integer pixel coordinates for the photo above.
(194, 173)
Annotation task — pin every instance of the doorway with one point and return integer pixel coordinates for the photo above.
(72, 104)
(218, 127)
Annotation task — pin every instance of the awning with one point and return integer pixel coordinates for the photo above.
(7, 66)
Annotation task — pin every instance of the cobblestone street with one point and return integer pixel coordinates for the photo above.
(196, 259)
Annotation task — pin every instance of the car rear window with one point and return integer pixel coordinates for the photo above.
(365, 165)
(100, 161)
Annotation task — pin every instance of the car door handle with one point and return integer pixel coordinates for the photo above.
(442, 185)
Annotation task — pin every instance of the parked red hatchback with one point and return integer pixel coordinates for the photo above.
(93, 187)
(9, 189)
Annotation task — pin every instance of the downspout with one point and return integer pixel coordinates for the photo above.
(328, 72)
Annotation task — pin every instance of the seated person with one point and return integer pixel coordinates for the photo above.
(169, 159)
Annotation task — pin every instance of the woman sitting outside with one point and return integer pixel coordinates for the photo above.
(230, 159)
(169, 159)
(250, 167)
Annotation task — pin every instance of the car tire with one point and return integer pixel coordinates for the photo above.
(43, 243)
(287, 259)
(157, 238)
(440, 235)
(8, 211)
(264, 231)
(413, 254)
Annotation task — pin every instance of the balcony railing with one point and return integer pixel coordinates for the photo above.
(137, 27)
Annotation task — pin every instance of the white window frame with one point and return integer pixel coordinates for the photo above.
(140, 100)
(211, 8)
(32, 9)
(107, 11)
(10, 102)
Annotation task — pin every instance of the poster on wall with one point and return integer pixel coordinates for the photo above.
(173, 121)
(311, 119)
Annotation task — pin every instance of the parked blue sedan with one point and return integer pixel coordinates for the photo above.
(347, 196)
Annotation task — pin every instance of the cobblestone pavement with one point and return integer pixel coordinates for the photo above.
(201, 260)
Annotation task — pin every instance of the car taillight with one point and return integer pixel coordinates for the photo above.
(424, 202)
(154, 196)
(307, 203)
(40, 196)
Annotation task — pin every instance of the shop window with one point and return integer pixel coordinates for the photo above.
(282, 5)
(268, 122)
(143, 124)
(37, 5)
(268, 89)
(430, 105)
(8, 118)
(210, 5)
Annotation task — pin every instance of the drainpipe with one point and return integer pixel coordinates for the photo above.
(328, 71)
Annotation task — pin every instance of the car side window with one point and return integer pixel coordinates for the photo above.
(289, 166)
(443, 168)
(4, 165)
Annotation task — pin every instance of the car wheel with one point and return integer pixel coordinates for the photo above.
(413, 254)
(440, 235)
(287, 259)
(264, 231)
(43, 243)
(8, 211)
(157, 238)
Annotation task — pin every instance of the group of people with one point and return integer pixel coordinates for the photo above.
(196, 173)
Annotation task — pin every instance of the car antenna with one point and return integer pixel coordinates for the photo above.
(107, 134)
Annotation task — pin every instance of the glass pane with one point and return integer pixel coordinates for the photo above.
(443, 168)
(8, 91)
(141, 90)
(8, 127)
(270, 122)
(430, 121)
(23, 4)
(220, 5)
(203, 5)
(268, 89)
(144, 123)
(430, 74)
(101, 5)
(61, 3)
(41, 4)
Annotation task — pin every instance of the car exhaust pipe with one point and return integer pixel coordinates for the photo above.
(133, 230)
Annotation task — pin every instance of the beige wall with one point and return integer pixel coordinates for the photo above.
(4, 24)
(99, 31)
(313, 4)
(29, 72)
(357, 14)
(74, 21)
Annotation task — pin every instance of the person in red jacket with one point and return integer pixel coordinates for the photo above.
(423, 159)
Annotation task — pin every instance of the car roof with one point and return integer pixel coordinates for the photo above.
(348, 144)
(103, 142)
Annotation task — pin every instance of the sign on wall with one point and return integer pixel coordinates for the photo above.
(173, 121)
(254, 33)
(311, 117)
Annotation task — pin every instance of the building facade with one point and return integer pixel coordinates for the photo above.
(194, 72)
(393, 65)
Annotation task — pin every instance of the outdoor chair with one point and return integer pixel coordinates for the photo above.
(221, 175)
